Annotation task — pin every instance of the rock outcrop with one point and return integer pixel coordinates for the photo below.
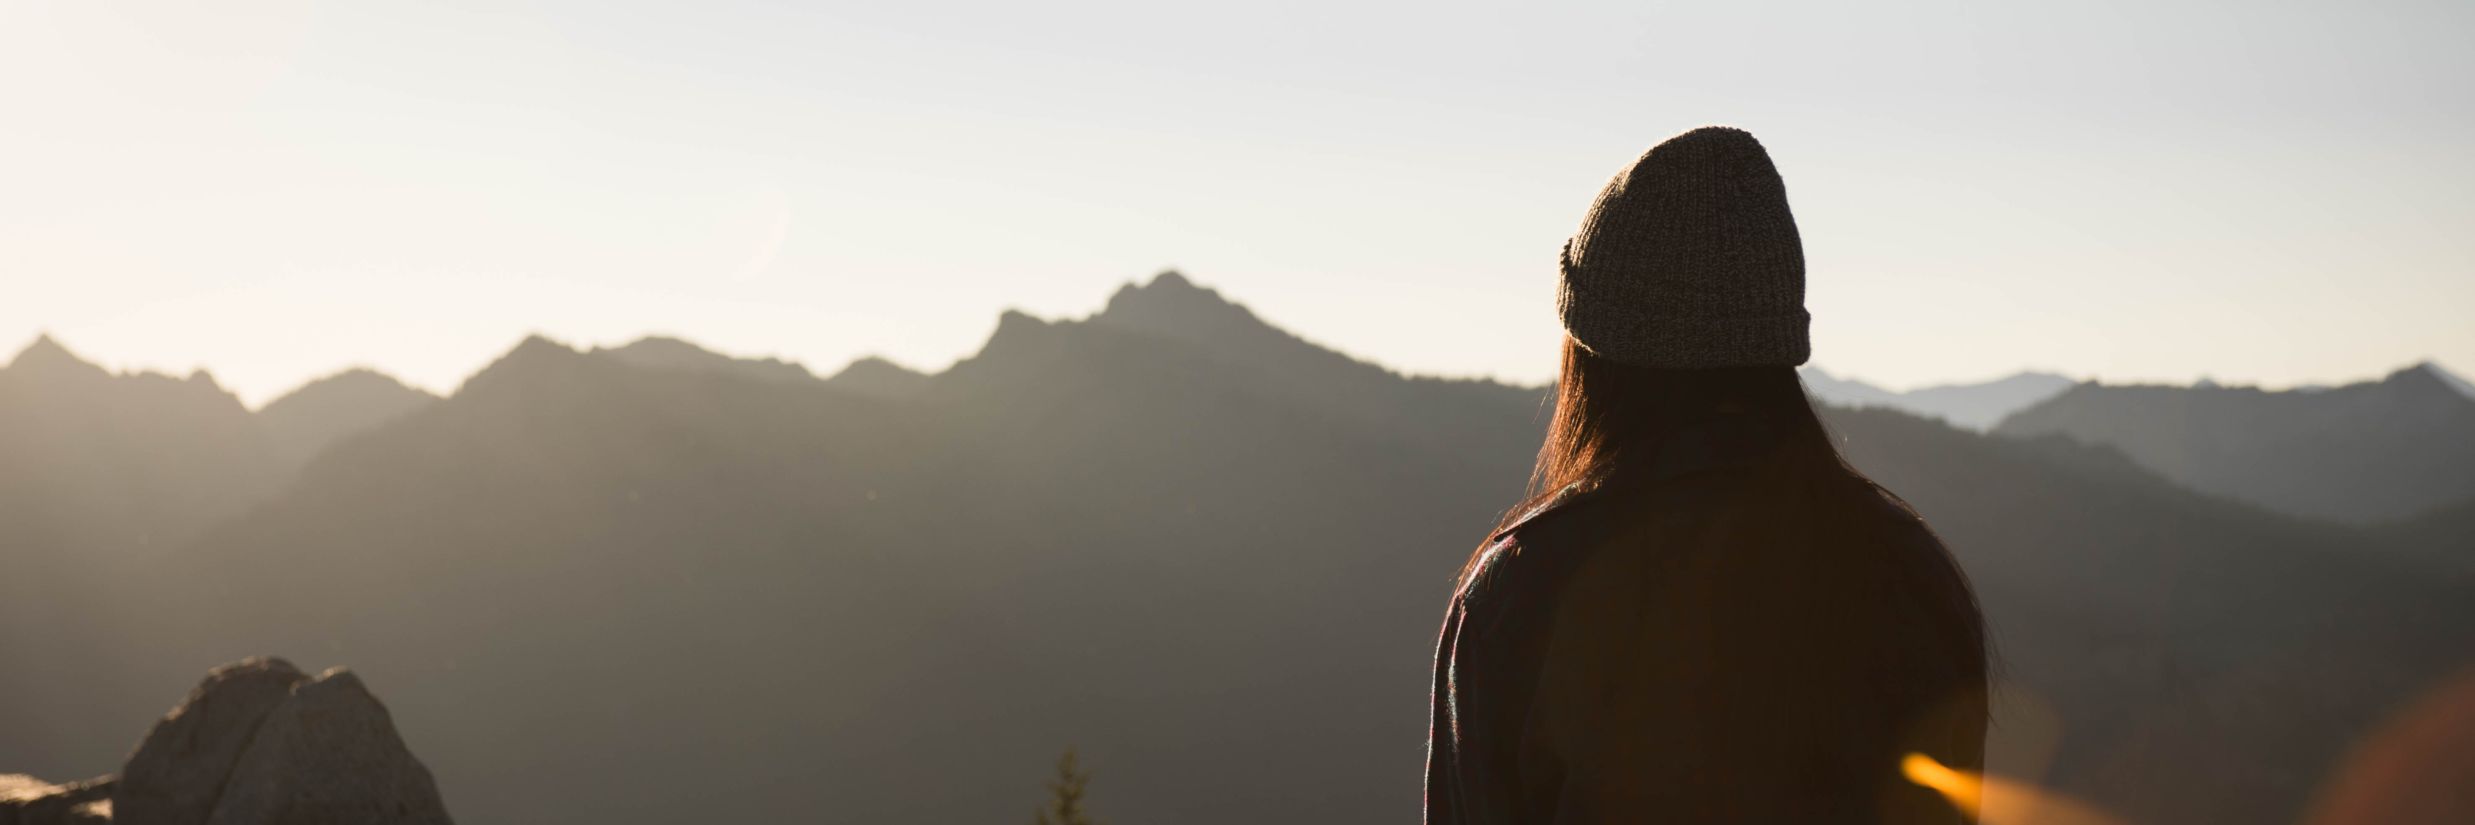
(329, 754)
(257, 743)
(25, 800)
(181, 767)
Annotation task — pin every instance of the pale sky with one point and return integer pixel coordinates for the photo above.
(2276, 193)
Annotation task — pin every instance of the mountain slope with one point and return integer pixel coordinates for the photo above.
(2361, 453)
(1845, 392)
(101, 477)
(879, 378)
(659, 352)
(2170, 630)
(1054, 545)
(1976, 406)
(1173, 308)
(304, 421)
(136, 459)
(1980, 406)
(2455, 381)
(2444, 536)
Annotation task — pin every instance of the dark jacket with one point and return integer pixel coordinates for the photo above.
(1634, 654)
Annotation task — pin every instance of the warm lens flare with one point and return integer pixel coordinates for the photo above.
(1997, 801)
(2416, 769)
(1965, 792)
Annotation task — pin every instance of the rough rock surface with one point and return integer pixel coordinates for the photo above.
(18, 786)
(25, 800)
(181, 767)
(256, 743)
(328, 755)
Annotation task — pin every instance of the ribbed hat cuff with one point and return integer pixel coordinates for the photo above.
(1685, 342)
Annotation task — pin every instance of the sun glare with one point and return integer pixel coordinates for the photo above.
(1998, 801)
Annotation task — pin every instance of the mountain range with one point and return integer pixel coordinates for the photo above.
(654, 583)
(1976, 406)
(2370, 452)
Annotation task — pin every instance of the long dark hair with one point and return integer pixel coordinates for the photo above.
(1611, 417)
(1800, 498)
(1812, 621)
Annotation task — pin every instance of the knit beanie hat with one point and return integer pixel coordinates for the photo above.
(1690, 260)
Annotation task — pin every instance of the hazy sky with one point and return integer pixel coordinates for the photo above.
(2265, 192)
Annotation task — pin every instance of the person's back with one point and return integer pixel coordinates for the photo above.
(1705, 616)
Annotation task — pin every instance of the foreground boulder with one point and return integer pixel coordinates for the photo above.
(256, 743)
(180, 769)
(330, 754)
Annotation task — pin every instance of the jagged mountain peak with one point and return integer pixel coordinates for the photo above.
(358, 376)
(45, 363)
(202, 379)
(2024, 378)
(2420, 372)
(1172, 279)
(1975, 406)
(1176, 308)
(1172, 302)
(304, 421)
(2361, 453)
(2426, 377)
(44, 345)
(1016, 329)
(876, 363)
(1845, 390)
(665, 352)
(877, 377)
(658, 344)
(354, 386)
(536, 349)
(531, 358)
(537, 344)
(1018, 319)
(2453, 380)
(45, 356)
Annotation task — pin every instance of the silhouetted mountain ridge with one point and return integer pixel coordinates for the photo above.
(2443, 535)
(306, 420)
(45, 359)
(139, 457)
(664, 352)
(2451, 379)
(102, 476)
(1977, 406)
(1173, 308)
(880, 378)
(2363, 452)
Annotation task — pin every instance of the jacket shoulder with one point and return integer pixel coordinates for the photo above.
(1899, 520)
(1531, 557)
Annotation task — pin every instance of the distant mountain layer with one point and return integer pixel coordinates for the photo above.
(665, 353)
(1969, 406)
(878, 378)
(2444, 535)
(102, 476)
(2454, 380)
(306, 420)
(2368, 452)
(1206, 552)
(140, 459)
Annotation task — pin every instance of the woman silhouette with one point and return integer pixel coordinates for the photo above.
(1702, 614)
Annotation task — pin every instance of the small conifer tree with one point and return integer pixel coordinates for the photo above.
(1065, 795)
